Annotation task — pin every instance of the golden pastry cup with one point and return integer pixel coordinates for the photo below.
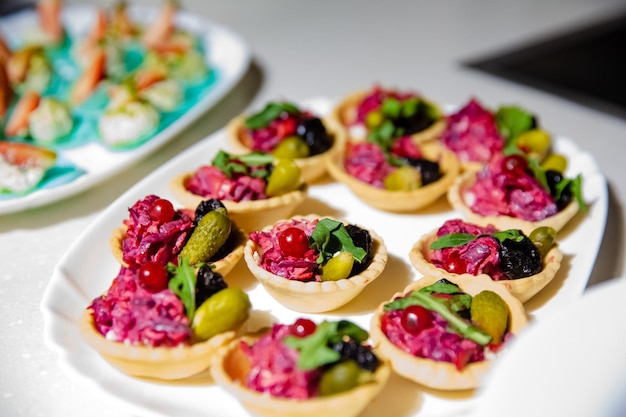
(312, 167)
(312, 296)
(344, 114)
(444, 375)
(456, 198)
(223, 266)
(230, 366)
(249, 215)
(523, 288)
(167, 363)
(401, 201)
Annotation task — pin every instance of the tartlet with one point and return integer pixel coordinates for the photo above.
(236, 241)
(344, 116)
(444, 375)
(230, 366)
(401, 201)
(522, 288)
(313, 167)
(456, 198)
(315, 296)
(153, 362)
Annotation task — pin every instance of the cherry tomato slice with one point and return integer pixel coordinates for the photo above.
(293, 242)
(303, 327)
(514, 164)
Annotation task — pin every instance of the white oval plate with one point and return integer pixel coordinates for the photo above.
(88, 267)
(225, 52)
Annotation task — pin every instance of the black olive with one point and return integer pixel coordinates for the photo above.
(208, 283)
(363, 356)
(519, 259)
(206, 206)
(312, 130)
(566, 196)
(362, 239)
(428, 169)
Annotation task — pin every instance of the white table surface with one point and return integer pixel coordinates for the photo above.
(304, 49)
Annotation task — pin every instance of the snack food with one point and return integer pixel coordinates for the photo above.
(314, 264)
(256, 188)
(164, 323)
(156, 232)
(401, 178)
(286, 131)
(426, 338)
(23, 166)
(513, 192)
(476, 134)
(276, 375)
(523, 264)
(387, 113)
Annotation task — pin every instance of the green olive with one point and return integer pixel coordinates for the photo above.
(373, 119)
(225, 310)
(338, 267)
(555, 162)
(405, 178)
(341, 377)
(291, 147)
(543, 238)
(285, 177)
(534, 140)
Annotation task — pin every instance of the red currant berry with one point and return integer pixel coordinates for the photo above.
(162, 211)
(416, 318)
(455, 264)
(293, 242)
(514, 164)
(303, 327)
(153, 277)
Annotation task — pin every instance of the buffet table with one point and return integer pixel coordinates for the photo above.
(299, 51)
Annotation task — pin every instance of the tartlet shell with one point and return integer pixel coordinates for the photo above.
(401, 201)
(248, 215)
(316, 297)
(344, 114)
(523, 288)
(456, 199)
(230, 365)
(166, 363)
(223, 266)
(313, 167)
(444, 375)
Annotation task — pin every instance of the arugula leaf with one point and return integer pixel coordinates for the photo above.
(512, 121)
(391, 107)
(539, 173)
(315, 349)
(513, 234)
(577, 190)
(441, 287)
(271, 111)
(329, 237)
(183, 284)
(452, 240)
(230, 164)
(439, 306)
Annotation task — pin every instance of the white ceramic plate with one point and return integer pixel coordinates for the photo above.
(88, 268)
(571, 364)
(225, 52)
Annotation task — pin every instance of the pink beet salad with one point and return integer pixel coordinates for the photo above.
(304, 360)
(374, 164)
(472, 134)
(133, 314)
(435, 323)
(298, 249)
(463, 248)
(153, 234)
(518, 187)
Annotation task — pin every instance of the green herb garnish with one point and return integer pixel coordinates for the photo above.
(316, 349)
(447, 308)
(230, 164)
(330, 237)
(183, 284)
(513, 121)
(271, 111)
(454, 240)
